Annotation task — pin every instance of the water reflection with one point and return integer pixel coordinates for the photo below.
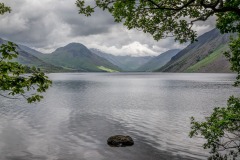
(81, 111)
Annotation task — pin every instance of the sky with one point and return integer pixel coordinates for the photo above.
(46, 25)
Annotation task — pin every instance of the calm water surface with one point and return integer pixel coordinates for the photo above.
(82, 110)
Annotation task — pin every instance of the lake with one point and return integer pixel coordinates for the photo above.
(81, 110)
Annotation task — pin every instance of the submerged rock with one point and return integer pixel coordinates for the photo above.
(120, 141)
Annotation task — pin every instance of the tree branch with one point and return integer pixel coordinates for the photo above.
(203, 17)
(167, 8)
(8, 96)
(220, 8)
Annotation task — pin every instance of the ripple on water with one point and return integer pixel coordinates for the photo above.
(81, 111)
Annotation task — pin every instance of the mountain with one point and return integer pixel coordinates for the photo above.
(76, 56)
(158, 61)
(204, 55)
(30, 60)
(126, 63)
(31, 51)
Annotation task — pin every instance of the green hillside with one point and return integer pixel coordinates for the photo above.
(28, 59)
(106, 69)
(209, 60)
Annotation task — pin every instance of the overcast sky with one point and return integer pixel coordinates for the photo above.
(48, 24)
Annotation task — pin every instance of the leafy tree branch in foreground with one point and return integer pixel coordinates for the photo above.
(15, 81)
(4, 9)
(221, 130)
(234, 57)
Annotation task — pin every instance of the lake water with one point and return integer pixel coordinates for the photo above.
(81, 110)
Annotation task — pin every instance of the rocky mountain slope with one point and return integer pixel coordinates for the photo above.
(204, 55)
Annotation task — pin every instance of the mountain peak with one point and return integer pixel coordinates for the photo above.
(73, 47)
(74, 44)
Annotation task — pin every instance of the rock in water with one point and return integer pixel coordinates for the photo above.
(120, 141)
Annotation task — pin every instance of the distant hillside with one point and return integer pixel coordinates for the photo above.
(159, 61)
(205, 55)
(126, 63)
(76, 56)
(31, 51)
(30, 60)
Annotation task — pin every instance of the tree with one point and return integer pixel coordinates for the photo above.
(175, 18)
(221, 130)
(13, 77)
(4, 9)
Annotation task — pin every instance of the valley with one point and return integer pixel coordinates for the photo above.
(204, 55)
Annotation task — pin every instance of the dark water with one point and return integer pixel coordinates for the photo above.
(81, 111)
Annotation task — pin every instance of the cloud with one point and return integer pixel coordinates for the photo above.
(48, 24)
(202, 27)
(134, 48)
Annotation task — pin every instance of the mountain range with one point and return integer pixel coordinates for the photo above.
(204, 55)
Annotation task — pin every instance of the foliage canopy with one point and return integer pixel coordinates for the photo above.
(164, 18)
(4, 9)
